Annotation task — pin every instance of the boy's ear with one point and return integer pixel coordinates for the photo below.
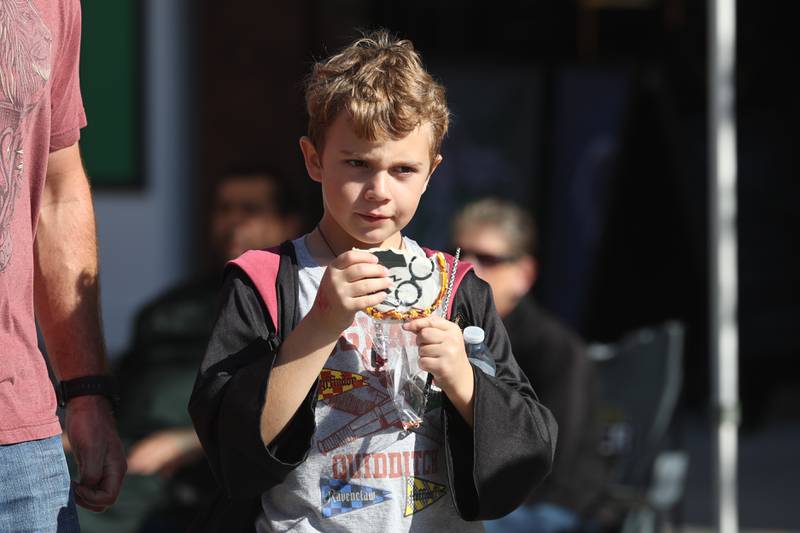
(311, 158)
(436, 161)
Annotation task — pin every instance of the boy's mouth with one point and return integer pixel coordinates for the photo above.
(372, 218)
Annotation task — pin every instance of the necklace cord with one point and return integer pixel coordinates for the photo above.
(322, 235)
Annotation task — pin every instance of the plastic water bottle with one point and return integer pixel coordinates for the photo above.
(476, 351)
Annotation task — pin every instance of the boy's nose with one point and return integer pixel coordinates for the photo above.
(377, 189)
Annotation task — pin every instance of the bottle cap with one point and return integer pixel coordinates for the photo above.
(473, 335)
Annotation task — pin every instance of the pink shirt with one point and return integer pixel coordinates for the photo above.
(41, 111)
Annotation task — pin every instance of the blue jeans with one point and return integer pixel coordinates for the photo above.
(35, 495)
(538, 518)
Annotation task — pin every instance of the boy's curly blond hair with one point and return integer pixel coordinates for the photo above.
(379, 81)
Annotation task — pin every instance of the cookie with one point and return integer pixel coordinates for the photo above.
(418, 284)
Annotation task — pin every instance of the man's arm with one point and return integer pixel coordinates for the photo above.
(66, 296)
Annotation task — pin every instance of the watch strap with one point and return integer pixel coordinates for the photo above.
(100, 385)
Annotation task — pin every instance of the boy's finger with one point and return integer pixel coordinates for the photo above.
(365, 270)
(352, 257)
(430, 359)
(370, 300)
(417, 325)
(430, 336)
(427, 322)
(370, 286)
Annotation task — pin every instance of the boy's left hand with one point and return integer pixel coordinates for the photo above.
(442, 353)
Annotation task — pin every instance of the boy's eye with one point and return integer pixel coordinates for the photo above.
(356, 163)
(406, 170)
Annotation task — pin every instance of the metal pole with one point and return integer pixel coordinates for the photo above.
(722, 240)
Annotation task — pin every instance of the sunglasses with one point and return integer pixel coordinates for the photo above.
(487, 260)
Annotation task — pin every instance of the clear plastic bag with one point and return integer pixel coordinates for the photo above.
(399, 361)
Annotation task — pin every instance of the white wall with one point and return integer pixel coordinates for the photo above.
(144, 234)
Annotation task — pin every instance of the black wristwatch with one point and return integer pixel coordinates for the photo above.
(89, 385)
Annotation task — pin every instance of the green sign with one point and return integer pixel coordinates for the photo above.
(111, 87)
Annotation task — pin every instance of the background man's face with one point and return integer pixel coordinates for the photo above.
(244, 217)
(508, 274)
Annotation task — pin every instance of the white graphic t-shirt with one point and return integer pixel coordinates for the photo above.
(364, 471)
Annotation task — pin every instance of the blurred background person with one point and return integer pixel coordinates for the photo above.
(499, 238)
(251, 209)
(168, 477)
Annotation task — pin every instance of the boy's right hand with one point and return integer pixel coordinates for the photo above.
(352, 282)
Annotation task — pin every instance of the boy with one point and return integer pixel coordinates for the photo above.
(291, 409)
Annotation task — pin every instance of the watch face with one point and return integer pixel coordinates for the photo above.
(417, 281)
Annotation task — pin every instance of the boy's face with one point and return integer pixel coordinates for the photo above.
(370, 189)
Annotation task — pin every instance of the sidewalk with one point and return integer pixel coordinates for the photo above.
(769, 477)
